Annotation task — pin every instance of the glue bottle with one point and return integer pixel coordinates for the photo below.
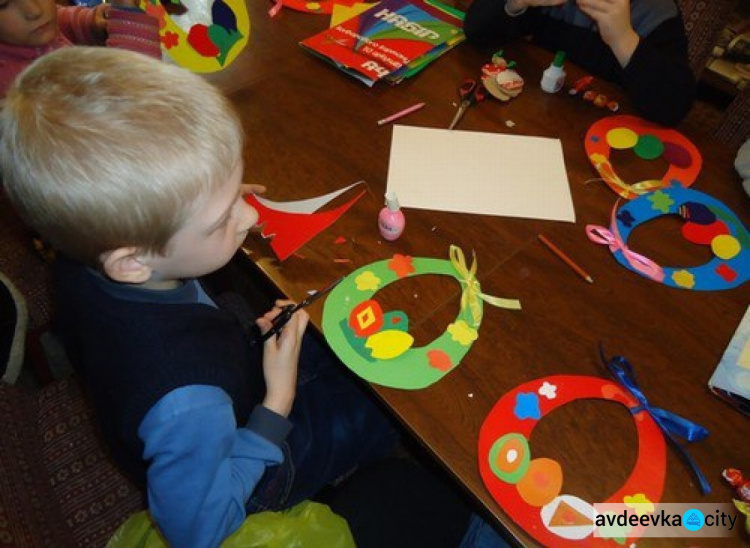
(391, 221)
(554, 77)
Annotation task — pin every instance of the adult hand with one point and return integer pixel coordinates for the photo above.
(281, 357)
(613, 19)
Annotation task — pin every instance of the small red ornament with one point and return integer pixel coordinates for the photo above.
(733, 477)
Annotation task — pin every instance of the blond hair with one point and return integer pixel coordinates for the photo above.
(104, 148)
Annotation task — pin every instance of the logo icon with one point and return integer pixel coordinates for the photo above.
(693, 519)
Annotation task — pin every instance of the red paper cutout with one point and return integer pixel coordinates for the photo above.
(726, 272)
(684, 157)
(703, 234)
(290, 231)
(646, 478)
(366, 318)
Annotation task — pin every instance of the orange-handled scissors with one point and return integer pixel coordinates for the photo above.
(470, 92)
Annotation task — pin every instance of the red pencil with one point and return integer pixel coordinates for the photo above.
(567, 260)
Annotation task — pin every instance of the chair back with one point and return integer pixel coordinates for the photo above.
(704, 20)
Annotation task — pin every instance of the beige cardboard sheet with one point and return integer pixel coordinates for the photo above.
(483, 173)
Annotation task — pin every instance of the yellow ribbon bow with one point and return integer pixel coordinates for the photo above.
(627, 191)
(472, 291)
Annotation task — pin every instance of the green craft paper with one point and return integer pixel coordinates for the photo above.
(224, 40)
(649, 147)
(411, 370)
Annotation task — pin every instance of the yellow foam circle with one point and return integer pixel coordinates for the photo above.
(622, 138)
(725, 246)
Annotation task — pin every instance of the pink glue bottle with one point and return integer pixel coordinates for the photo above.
(391, 221)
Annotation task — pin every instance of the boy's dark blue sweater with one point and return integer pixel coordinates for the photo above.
(130, 353)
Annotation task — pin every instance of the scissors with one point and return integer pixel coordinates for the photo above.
(470, 91)
(288, 311)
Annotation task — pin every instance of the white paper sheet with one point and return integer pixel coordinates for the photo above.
(484, 173)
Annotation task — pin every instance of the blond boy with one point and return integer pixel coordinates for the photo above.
(132, 169)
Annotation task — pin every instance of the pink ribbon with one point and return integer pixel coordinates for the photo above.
(640, 263)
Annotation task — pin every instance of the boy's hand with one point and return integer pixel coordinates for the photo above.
(246, 188)
(613, 19)
(281, 357)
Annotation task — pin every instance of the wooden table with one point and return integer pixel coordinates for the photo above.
(311, 129)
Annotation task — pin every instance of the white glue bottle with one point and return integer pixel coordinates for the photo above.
(391, 221)
(554, 77)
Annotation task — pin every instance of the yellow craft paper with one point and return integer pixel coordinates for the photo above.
(344, 13)
(483, 173)
(389, 344)
(622, 138)
(725, 246)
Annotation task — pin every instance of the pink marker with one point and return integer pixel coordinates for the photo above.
(400, 114)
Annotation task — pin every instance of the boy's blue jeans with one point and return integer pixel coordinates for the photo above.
(337, 426)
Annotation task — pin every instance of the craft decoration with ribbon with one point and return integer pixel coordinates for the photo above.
(376, 344)
(707, 222)
(672, 425)
(649, 142)
(291, 225)
(201, 35)
(531, 489)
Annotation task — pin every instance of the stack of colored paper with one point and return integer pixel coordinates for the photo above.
(390, 41)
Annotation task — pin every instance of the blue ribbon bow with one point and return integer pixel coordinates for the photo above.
(671, 424)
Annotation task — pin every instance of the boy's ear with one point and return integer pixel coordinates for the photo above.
(123, 265)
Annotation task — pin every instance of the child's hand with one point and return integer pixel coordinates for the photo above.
(246, 188)
(280, 358)
(101, 14)
(613, 19)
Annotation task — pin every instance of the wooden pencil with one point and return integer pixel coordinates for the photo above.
(567, 260)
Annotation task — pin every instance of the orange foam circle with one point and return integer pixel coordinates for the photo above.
(542, 482)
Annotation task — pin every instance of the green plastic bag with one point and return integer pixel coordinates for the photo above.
(309, 524)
